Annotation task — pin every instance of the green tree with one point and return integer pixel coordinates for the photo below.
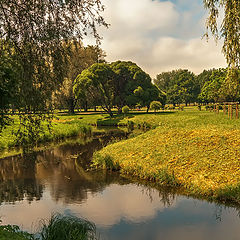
(97, 81)
(180, 86)
(132, 85)
(230, 88)
(81, 58)
(155, 105)
(8, 85)
(204, 77)
(36, 31)
(210, 91)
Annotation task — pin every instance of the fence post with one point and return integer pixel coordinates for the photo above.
(231, 111)
(224, 109)
(237, 111)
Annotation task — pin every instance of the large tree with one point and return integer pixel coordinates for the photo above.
(97, 82)
(180, 86)
(34, 31)
(81, 58)
(8, 86)
(132, 85)
(229, 30)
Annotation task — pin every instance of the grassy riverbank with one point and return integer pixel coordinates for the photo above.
(61, 128)
(197, 151)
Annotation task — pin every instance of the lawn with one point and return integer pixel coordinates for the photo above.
(197, 151)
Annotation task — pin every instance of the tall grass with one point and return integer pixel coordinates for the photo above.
(61, 227)
(58, 227)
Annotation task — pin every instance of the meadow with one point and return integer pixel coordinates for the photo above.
(195, 151)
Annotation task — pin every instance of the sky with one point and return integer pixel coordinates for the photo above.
(159, 35)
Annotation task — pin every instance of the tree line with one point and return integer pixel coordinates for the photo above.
(36, 48)
(210, 86)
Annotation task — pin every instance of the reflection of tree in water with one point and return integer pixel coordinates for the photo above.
(62, 172)
(66, 174)
(17, 179)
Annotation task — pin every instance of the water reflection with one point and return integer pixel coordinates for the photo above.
(56, 180)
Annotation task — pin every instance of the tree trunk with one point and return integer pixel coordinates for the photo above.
(119, 110)
(86, 106)
(71, 106)
(148, 107)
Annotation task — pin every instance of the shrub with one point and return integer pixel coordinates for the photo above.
(125, 109)
(155, 105)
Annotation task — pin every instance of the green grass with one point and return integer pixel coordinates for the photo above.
(58, 227)
(13, 233)
(196, 151)
(67, 228)
(60, 129)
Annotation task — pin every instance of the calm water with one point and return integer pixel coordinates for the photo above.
(35, 186)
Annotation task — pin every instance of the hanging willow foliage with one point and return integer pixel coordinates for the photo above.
(32, 34)
(229, 29)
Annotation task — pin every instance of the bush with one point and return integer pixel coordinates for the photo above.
(125, 109)
(155, 105)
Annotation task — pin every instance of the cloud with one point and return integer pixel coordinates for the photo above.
(121, 202)
(159, 35)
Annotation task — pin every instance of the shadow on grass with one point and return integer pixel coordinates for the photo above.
(116, 119)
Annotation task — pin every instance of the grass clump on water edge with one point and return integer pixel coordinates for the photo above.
(67, 228)
(58, 227)
(9, 232)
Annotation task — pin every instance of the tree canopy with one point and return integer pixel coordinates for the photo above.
(180, 86)
(117, 84)
(81, 58)
(33, 34)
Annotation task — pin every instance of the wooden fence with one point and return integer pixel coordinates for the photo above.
(229, 108)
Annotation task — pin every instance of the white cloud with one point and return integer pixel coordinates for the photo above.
(159, 36)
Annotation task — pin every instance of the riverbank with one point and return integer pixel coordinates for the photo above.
(196, 151)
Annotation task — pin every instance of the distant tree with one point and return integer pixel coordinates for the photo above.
(81, 58)
(132, 85)
(204, 77)
(180, 86)
(210, 91)
(155, 105)
(97, 81)
(125, 109)
(230, 88)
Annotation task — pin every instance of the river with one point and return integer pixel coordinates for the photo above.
(57, 180)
